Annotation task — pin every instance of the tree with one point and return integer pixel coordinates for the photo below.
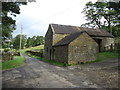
(28, 43)
(92, 13)
(39, 40)
(35, 41)
(115, 6)
(8, 24)
(102, 14)
(16, 41)
(116, 22)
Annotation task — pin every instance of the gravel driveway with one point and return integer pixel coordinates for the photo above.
(39, 74)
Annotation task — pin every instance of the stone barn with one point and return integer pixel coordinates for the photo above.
(73, 45)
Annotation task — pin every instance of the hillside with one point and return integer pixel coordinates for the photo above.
(33, 48)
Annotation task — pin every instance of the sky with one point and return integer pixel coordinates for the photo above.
(35, 17)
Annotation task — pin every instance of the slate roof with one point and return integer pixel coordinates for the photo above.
(67, 29)
(66, 40)
(64, 29)
(97, 32)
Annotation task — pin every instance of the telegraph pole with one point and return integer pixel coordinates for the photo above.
(20, 39)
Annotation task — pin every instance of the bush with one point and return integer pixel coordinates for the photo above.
(16, 53)
(6, 50)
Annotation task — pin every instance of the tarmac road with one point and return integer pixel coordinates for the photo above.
(39, 74)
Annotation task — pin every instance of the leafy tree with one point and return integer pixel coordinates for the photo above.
(8, 24)
(39, 40)
(103, 15)
(28, 43)
(115, 6)
(35, 41)
(16, 42)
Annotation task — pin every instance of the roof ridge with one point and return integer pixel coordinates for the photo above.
(65, 25)
(69, 29)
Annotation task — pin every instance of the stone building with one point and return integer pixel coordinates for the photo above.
(73, 45)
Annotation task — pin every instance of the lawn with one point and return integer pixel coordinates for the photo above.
(16, 62)
(105, 56)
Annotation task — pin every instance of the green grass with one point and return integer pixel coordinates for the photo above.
(105, 56)
(33, 48)
(50, 61)
(16, 62)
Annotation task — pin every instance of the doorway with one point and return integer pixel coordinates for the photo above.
(99, 43)
(50, 54)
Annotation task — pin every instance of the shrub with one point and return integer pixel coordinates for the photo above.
(6, 50)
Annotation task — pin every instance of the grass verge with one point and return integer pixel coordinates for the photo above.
(49, 61)
(105, 56)
(16, 62)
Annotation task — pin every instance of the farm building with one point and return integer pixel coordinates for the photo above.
(73, 45)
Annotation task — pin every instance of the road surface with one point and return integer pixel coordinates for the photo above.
(39, 74)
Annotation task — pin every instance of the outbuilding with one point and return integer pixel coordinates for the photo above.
(73, 44)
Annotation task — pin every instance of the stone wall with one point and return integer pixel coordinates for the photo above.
(48, 43)
(107, 44)
(51, 39)
(7, 56)
(82, 49)
(38, 53)
(60, 54)
(58, 37)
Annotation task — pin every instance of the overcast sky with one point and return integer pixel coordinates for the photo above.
(36, 16)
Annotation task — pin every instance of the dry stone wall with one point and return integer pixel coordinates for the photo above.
(60, 54)
(7, 56)
(82, 49)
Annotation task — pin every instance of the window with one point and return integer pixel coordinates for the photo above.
(53, 50)
(47, 49)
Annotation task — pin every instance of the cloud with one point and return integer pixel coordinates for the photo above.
(35, 17)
